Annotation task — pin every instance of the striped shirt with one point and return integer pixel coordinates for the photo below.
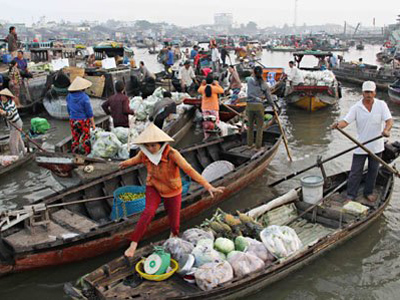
(11, 110)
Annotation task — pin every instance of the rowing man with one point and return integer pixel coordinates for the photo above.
(373, 118)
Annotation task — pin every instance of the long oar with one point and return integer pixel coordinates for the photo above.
(373, 155)
(323, 161)
(231, 109)
(282, 132)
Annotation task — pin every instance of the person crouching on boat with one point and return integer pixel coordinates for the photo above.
(370, 115)
(257, 91)
(295, 77)
(209, 90)
(80, 115)
(163, 180)
(8, 109)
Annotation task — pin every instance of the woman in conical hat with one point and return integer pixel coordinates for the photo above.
(8, 109)
(163, 180)
(80, 115)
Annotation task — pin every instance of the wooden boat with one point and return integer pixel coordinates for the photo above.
(330, 227)
(360, 47)
(78, 231)
(17, 164)
(352, 73)
(394, 93)
(57, 107)
(313, 97)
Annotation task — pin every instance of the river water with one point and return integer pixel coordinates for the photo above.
(367, 267)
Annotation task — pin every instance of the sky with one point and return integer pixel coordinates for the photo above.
(187, 13)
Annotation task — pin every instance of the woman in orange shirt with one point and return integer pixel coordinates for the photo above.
(209, 90)
(163, 180)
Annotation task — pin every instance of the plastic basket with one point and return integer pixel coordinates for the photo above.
(124, 209)
(139, 268)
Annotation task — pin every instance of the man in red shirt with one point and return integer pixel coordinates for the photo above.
(118, 106)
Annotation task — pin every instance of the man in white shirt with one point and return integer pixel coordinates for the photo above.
(295, 77)
(373, 118)
(186, 76)
(215, 58)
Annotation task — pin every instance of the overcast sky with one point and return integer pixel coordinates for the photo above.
(188, 12)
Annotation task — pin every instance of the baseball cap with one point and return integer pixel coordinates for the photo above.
(368, 86)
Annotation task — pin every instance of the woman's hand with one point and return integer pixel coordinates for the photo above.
(2, 112)
(123, 165)
(213, 190)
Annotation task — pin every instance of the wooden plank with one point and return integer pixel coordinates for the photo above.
(67, 218)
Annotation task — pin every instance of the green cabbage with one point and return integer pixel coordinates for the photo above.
(224, 245)
(241, 243)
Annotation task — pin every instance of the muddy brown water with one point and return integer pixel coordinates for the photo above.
(367, 267)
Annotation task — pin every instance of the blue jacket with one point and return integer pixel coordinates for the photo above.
(78, 105)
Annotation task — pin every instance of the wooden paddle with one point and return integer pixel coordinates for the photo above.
(370, 153)
(322, 162)
(231, 109)
(282, 131)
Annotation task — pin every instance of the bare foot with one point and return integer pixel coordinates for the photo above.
(371, 198)
(130, 252)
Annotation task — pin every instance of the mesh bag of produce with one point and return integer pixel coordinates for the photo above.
(193, 235)
(210, 275)
(245, 263)
(178, 247)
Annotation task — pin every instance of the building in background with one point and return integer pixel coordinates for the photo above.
(223, 22)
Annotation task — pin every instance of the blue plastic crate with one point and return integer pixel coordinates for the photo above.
(124, 209)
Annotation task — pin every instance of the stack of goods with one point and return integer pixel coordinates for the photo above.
(319, 78)
(228, 247)
(144, 108)
(110, 144)
(40, 67)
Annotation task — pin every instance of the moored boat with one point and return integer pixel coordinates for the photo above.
(85, 229)
(320, 229)
(315, 93)
(353, 73)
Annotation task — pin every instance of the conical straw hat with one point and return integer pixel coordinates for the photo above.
(6, 92)
(79, 84)
(152, 134)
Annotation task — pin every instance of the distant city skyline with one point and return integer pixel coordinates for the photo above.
(189, 13)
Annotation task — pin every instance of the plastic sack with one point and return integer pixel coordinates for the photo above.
(177, 247)
(106, 146)
(135, 103)
(159, 92)
(94, 134)
(193, 235)
(204, 254)
(281, 241)
(210, 275)
(121, 133)
(245, 263)
(123, 152)
(258, 249)
(205, 242)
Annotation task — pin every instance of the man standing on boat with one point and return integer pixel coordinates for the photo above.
(295, 77)
(373, 118)
(12, 41)
(118, 106)
(186, 76)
